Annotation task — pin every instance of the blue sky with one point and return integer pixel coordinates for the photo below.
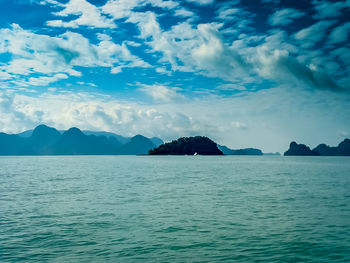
(245, 73)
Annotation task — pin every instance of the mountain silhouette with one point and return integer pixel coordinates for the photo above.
(247, 151)
(300, 150)
(44, 140)
(120, 138)
(11, 144)
(137, 145)
(156, 141)
(343, 149)
(188, 145)
(326, 150)
(75, 142)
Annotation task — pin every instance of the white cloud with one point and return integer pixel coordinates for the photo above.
(119, 9)
(231, 87)
(201, 2)
(309, 36)
(342, 53)
(285, 16)
(182, 12)
(192, 49)
(229, 13)
(44, 81)
(52, 2)
(162, 93)
(327, 9)
(35, 53)
(340, 34)
(89, 15)
(280, 66)
(4, 75)
(239, 125)
(216, 58)
(15, 116)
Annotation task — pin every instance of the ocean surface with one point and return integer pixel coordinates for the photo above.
(174, 209)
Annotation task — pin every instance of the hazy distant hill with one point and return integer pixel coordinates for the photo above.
(247, 151)
(74, 141)
(188, 145)
(11, 144)
(120, 138)
(137, 145)
(44, 140)
(343, 149)
(156, 141)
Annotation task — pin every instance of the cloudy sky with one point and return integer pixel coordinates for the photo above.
(246, 73)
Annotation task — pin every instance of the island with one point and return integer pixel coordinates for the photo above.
(343, 149)
(188, 146)
(300, 150)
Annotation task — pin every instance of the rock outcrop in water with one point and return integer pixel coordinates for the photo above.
(188, 146)
(343, 149)
(44, 140)
(300, 150)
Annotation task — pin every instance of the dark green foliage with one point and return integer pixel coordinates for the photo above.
(188, 145)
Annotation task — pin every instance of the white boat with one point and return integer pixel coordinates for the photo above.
(195, 153)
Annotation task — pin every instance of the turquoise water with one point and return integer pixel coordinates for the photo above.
(174, 209)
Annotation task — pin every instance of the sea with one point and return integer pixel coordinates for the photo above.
(174, 209)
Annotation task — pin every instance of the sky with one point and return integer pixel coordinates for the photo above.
(246, 73)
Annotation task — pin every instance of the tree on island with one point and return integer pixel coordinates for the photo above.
(188, 146)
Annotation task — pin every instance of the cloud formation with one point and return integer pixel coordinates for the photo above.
(57, 57)
(330, 9)
(162, 92)
(89, 15)
(285, 16)
(224, 48)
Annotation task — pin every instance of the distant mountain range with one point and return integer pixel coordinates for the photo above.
(247, 151)
(343, 149)
(44, 140)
